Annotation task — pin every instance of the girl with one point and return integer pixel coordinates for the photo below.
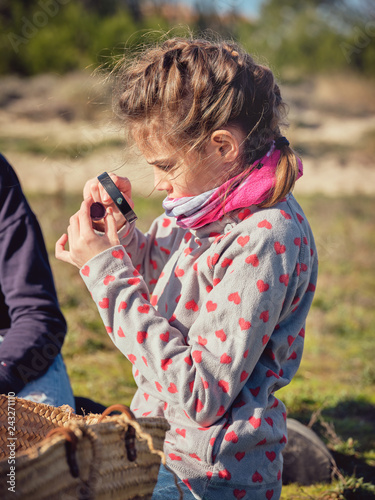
(231, 266)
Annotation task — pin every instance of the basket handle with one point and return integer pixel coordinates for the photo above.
(71, 441)
(130, 437)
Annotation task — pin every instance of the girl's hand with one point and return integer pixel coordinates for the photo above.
(84, 243)
(96, 191)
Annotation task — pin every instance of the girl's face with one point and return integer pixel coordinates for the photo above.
(182, 174)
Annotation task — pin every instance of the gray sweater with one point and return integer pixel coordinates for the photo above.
(222, 331)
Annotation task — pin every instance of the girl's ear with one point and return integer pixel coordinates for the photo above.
(226, 144)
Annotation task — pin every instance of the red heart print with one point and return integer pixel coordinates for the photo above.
(198, 405)
(279, 475)
(239, 493)
(285, 214)
(216, 281)
(271, 455)
(290, 340)
(261, 443)
(269, 421)
(212, 441)
(234, 297)
(109, 329)
(283, 439)
(226, 262)
(297, 242)
(269, 494)
(279, 248)
(220, 334)
(201, 340)
(154, 264)
(265, 339)
(300, 218)
(246, 353)
(195, 266)
(223, 385)
(118, 254)
(172, 388)
(225, 359)
(120, 332)
(144, 360)
(132, 358)
(244, 325)
(262, 286)
(271, 373)
(146, 396)
(311, 287)
(133, 281)
(242, 240)
(225, 474)
(205, 384)
(173, 456)
(244, 214)
(165, 250)
(108, 279)
(304, 267)
(209, 474)
(253, 260)
(255, 391)
(181, 432)
(141, 337)
(158, 386)
(264, 316)
(188, 361)
(197, 356)
(211, 306)
(179, 272)
(284, 278)
(265, 223)
(231, 436)
(302, 333)
(255, 422)
(144, 308)
(221, 411)
(293, 355)
(187, 251)
(209, 288)
(166, 222)
(164, 336)
(85, 271)
(239, 455)
(122, 305)
(192, 305)
(165, 363)
(244, 375)
(104, 304)
(194, 455)
(257, 478)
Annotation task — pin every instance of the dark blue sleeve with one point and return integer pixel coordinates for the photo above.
(30, 316)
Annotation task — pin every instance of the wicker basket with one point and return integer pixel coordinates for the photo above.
(59, 455)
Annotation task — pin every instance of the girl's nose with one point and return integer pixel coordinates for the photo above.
(161, 182)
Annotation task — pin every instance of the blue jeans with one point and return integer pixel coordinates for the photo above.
(53, 388)
(166, 489)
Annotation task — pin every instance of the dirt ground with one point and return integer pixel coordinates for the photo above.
(59, 131)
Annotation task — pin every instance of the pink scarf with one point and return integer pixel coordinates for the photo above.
(250, 187)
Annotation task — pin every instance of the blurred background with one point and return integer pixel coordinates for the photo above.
(57, 129)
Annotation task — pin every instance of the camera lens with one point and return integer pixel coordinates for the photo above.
(97, 211)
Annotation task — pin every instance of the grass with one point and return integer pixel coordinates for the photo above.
(334, 388)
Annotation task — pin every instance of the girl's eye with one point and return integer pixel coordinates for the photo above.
(165, 168)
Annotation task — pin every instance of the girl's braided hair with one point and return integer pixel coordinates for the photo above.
(185, 89)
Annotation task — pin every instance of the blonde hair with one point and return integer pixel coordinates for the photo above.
(188, 88)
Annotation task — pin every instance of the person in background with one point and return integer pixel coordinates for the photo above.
(32, 326)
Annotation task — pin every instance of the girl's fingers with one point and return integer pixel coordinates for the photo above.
(85, 222)
(60, 252)
(111, 228)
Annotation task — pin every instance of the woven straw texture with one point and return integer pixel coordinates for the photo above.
(43, 466)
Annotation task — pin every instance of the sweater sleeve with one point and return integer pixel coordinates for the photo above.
(31, 319)
(253, 289)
